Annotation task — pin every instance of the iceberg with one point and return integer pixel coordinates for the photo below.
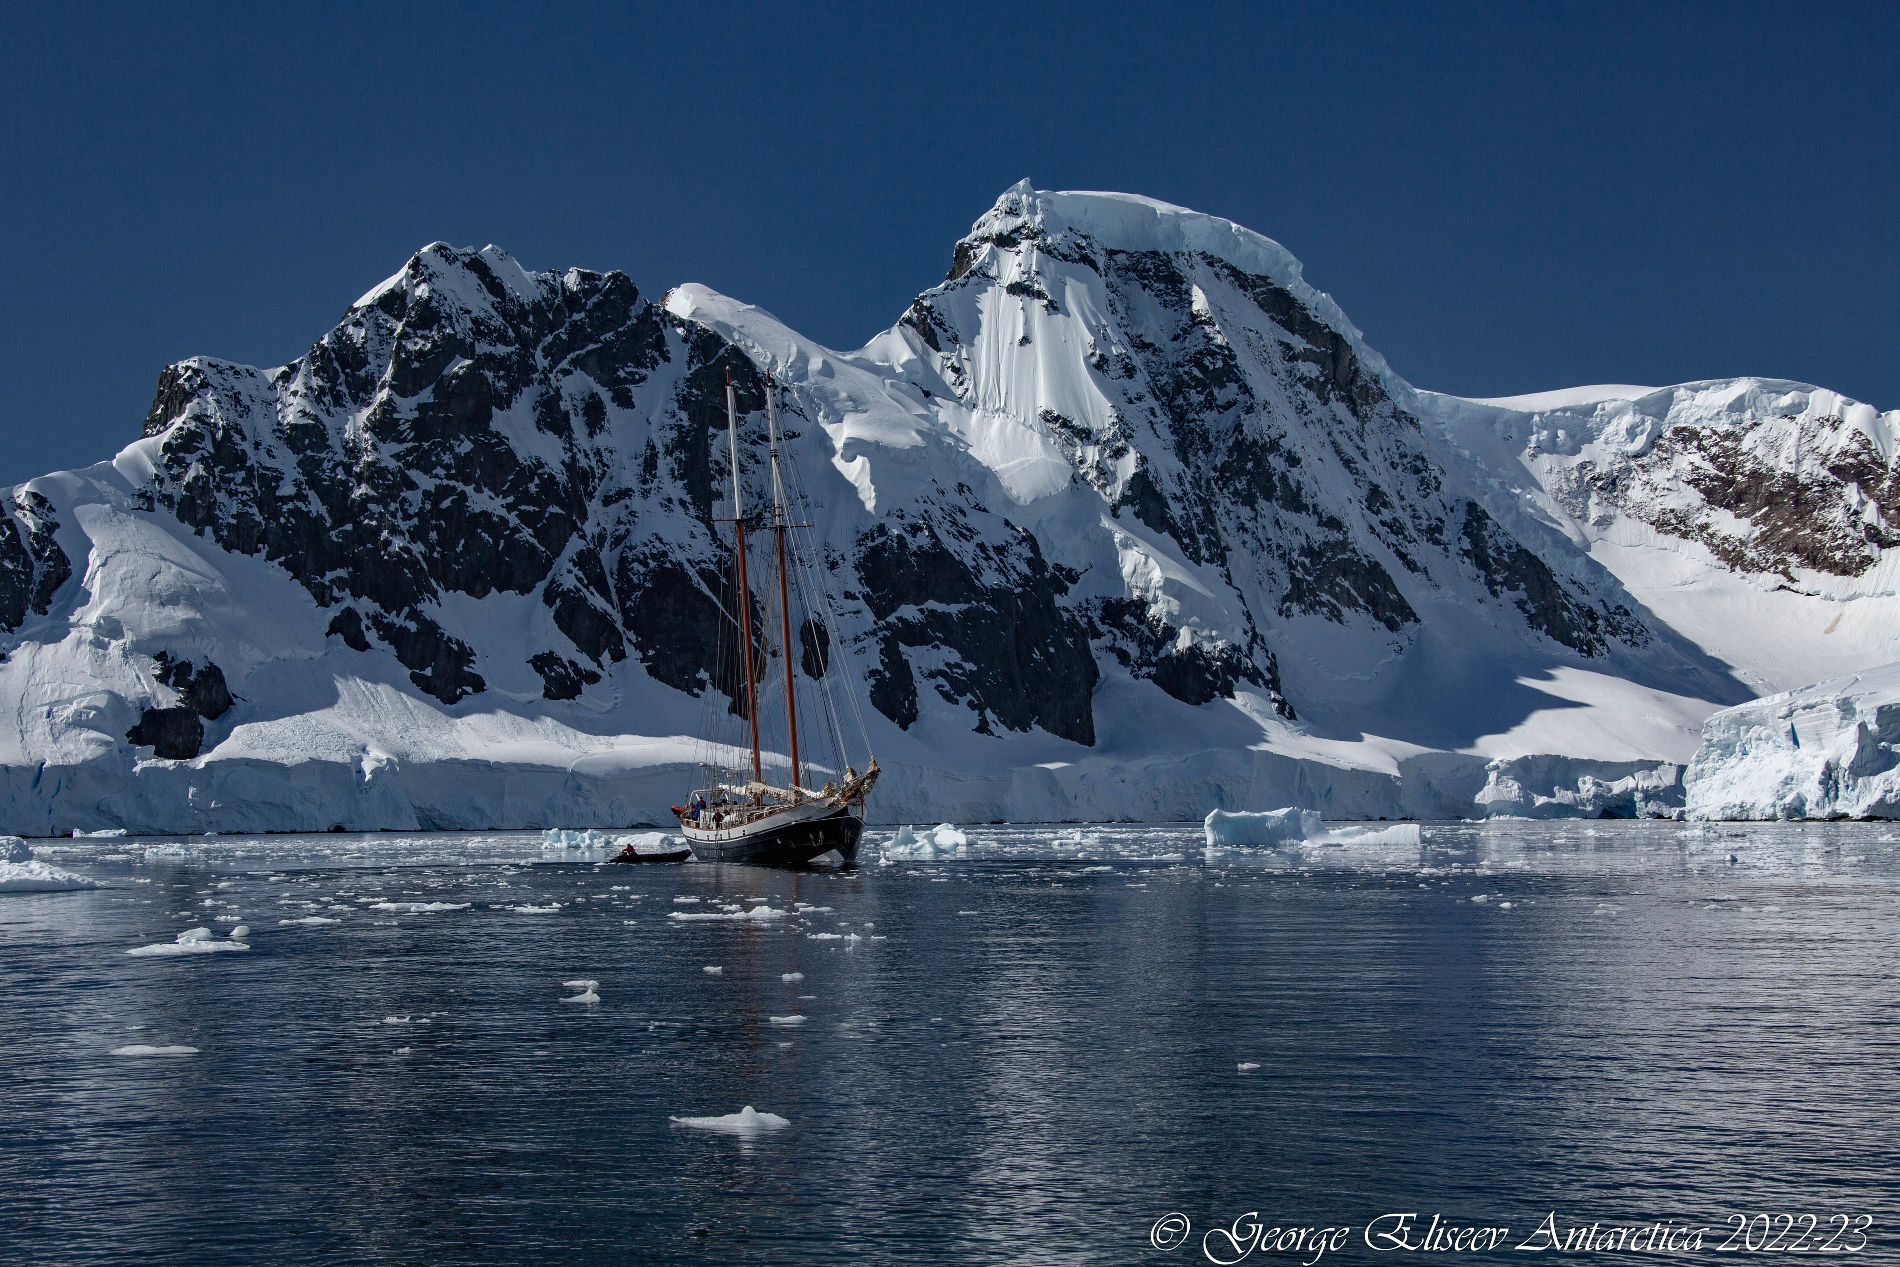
(1827, 750)
(942, 841)
(1224, 828)
(13, 849)
(747, 1121)
(38, 877)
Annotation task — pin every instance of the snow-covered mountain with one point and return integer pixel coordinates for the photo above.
(1127, 519)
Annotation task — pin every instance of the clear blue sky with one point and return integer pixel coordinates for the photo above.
(1505, 198)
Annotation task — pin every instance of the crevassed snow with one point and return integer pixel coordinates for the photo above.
(1825, 750)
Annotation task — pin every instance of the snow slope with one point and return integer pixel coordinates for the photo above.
(1125, 517)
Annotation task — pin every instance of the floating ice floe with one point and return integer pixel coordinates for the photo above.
(747, 1121)
(168, 853)
(141, 1049)
(105, 833)
(39, 877)
(549, 909)
(1248, 1066)
(757, 913)
(791, 976)
(794, 1019)
(713, 969)
(417, 908)
(311, 921)
(559, 841)
(939, 842)
(588, 990)
(193, 941)
(1225, 829)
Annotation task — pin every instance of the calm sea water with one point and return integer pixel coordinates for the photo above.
(1030, 1055)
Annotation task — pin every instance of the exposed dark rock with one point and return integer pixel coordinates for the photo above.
(814, 643)
(1197, 674)
(32, 565)
(893, 688)
(1506, 567)
(202, 691)
(1021, 660)
(561, 678)
(175, 734)
(348, 625)
(1330, 578)
(438, 662)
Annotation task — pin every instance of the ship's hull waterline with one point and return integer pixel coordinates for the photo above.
(784, 840)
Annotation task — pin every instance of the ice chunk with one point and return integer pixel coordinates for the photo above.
(794, 1019)
(557, 841)
(549, 909)
(1248, 1066)
(39, 877)
(756, 914)
(141, 1049)
(1395, 834)
(170, 853)
(311, 920)
(791, 976)
(1272, 827)
(13, 849)
(103, 833)
(193, 941)
(417, 908)
(941, 841)
(713, 969)
(747, 1121)
(587, 990)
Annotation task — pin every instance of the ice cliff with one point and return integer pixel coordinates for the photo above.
(1830, 750)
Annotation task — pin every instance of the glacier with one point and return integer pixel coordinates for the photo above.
(1128, 520)
(1827, 750)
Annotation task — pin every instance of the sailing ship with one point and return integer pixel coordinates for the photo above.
(737, 814)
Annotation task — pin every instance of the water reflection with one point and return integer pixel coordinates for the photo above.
(1026, 1055)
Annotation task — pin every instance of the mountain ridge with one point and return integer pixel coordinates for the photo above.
(1122, 529)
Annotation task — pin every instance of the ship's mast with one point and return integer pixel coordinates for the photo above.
(745, 593)
(784, 600)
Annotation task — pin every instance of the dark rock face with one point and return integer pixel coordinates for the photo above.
(32, 566)
(1508, 569)
(202, 691)
(462, 434)
(1834, 515)
(348, 625)
(1018, 659)
(175, 734)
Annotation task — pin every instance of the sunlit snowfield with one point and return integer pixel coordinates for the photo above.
(1026, 1055)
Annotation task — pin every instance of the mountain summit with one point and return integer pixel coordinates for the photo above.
(1129, 521)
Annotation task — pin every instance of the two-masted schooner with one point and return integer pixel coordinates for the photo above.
(736, 814)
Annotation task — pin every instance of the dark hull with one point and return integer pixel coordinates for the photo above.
(795, 845)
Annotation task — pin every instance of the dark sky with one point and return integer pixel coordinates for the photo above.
(1505, 198)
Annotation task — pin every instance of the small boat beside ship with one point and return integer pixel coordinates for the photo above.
(736, 814)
